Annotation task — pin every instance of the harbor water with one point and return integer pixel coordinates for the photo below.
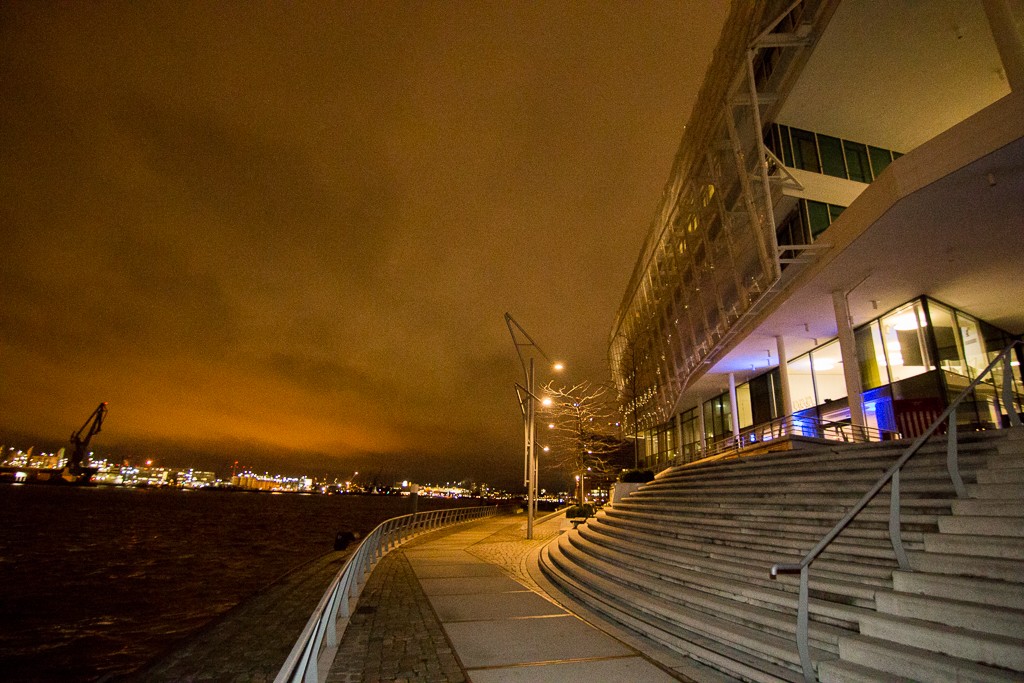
(95, 582)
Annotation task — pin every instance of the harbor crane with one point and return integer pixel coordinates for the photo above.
(75, 470)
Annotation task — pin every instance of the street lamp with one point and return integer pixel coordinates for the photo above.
(527, 404)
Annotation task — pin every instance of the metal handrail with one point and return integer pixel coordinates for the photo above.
(893, 475)
(318, 642)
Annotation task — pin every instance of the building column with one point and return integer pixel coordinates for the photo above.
(700, 428)
(734, 407)
(851, 364)
(679, 438)
(787, 394)
(1008, 40)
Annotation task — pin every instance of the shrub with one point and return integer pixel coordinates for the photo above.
(585, 510)
(636, 476)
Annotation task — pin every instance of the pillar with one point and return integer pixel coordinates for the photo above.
(787, 394)
(700, 428)
(851, 364)
(679, 438)
(1007, 36)
(734, 407)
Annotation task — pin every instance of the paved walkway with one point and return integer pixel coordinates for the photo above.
(459, 605)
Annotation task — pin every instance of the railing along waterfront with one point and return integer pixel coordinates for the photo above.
(311, 657)
(949, 418)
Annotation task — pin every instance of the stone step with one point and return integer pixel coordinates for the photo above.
(838, 671)
(823, 457)
(733, 516)
(1002, 475)
(992, 650)
(934, 466)
(979, 525)
(877, 571)
(993, 507)
(988, 591)
(773, 619)
(965, 565)
(878, 548)
(753, 591)
(733, 664)
(829, 512)
(1013, 491)
(959, 613)
(935, 488)
(822, 582)
(835, 501)
(688, 524)
(917, 664)
(743, 651)
(976, 546)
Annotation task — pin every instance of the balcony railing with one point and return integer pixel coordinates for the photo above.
(314, 651)
(794, 425)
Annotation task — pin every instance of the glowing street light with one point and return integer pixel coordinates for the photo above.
(527, 398)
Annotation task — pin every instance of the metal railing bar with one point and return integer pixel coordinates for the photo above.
(302, 663)
(892, 475)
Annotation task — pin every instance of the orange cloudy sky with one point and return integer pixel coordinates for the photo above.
(286, 233)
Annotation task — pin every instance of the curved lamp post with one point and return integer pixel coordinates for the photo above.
(527, 404)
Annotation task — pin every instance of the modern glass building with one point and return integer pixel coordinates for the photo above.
(838, 247)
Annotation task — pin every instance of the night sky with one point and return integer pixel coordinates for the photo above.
(286, 233)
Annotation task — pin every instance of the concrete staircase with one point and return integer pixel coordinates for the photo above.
(684, 562)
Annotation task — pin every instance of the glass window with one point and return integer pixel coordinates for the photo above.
(787, 147)
(831, 156)
(947, 340)
(880, 159)
(903, 336)
(834, 212)
(801, 383)
(817, 217)
(829, 381)
(857, 165)
(805, 150)
(743, 406)
(871, 357)
(973, 345)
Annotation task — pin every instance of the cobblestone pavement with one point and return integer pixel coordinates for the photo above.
(509, 549)
(395, 634)
(250, 642)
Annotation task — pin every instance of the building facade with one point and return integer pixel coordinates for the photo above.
(838, 247)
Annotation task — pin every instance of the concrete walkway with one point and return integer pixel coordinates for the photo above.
(459, 605)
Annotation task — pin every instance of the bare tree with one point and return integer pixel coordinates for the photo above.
(579, 428)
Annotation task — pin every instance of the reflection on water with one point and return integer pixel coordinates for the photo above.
(97, 581)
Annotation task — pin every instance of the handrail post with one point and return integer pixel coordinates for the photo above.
(802, 619)
(895, 534)
(952, 457)
(1011, 412)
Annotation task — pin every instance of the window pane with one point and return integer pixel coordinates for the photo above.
(903, 336)
(974, 347)
(805, 150)
(880, 159)
(743, 406)
(873, 372)
(946, 339)
(857, 161)
(801, 384)
(833, 212)
(787, 148)
(817, 215)
(831, 156)
(827, 363)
